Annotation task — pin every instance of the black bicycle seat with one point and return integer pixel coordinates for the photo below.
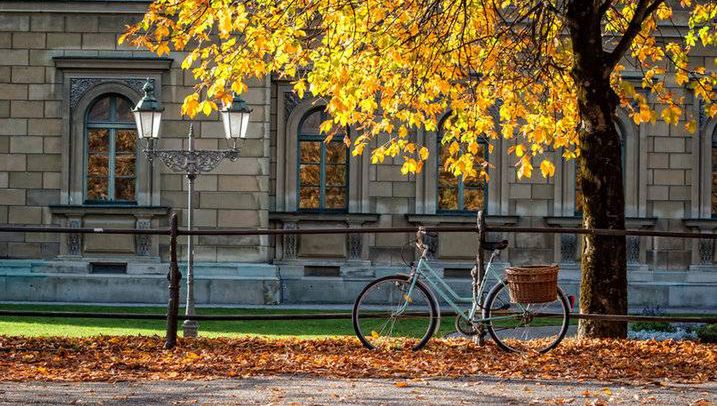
(494, 245)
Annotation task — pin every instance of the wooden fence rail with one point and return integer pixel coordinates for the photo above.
(174, 276)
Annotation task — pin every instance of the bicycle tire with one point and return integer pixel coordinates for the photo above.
(433, 318)
(502, 344)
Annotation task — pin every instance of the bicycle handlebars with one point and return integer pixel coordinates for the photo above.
(423, 247)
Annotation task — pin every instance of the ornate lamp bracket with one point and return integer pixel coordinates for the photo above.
(191, 163)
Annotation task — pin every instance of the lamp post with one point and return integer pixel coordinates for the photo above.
(191, 162)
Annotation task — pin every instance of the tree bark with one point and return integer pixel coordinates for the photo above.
(604, 270)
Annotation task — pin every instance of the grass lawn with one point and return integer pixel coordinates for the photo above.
(75, 327)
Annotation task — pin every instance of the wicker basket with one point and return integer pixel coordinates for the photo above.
(532, 283)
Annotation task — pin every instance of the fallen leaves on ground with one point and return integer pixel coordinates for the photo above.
(108, 358)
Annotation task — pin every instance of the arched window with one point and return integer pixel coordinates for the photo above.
(110, 151)
(457, 194)
(323, 166)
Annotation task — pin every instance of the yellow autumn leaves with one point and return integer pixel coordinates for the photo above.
(665, 66)
(396, 70)
(192, 106)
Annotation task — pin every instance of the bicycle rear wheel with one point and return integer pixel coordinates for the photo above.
(385, 315)
(525, 327)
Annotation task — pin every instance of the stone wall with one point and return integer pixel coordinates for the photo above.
(57, 56)
(660, 180)
(35, 128)
(392, 196)
(30, 130)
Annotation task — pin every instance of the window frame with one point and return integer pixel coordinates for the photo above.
(461, 210)
(713, 213)
(301, 137)
(112, 125)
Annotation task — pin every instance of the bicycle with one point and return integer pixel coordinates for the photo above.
(381, 315)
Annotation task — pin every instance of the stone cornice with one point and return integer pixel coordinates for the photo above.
(75, 6)
(351, 218)
(112, 63)
(640, 222)
(702, 224)
(109, 209)
(565, 221)
(577, 221)
(460, 219)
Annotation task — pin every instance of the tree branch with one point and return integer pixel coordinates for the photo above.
(605, 7)
(643, 10)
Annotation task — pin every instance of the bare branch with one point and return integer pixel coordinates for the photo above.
(642, 12)
(605, 7)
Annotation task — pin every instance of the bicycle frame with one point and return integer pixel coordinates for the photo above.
(495, 310)
(424, 271)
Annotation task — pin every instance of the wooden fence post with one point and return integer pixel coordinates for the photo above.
(174, 278)
(480, 256)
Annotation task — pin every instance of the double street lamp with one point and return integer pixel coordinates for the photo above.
(190, 162)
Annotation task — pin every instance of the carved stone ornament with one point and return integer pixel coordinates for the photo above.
(291, 100)
(144, 241)
(355, 242)
(80, 86)
(568, 245)
(702, 113)
(290, 242)
(633, 249)
(705, 249)
(74, 240)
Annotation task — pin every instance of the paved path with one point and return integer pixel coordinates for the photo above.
(302, 390)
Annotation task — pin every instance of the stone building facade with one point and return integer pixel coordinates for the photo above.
(68, 157)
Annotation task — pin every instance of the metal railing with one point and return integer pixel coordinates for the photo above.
(174, 232)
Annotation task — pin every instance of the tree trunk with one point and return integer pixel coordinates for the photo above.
(604, 270)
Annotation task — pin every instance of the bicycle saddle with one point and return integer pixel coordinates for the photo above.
(494, 245)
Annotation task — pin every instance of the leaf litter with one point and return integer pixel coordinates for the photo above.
(131, 358)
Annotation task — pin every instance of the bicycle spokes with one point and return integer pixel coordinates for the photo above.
(388, 313)
(524, 327)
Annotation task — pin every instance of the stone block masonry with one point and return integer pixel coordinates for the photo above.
(53, 63)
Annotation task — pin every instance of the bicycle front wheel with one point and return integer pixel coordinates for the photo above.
(389, 314)
(525, 327)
